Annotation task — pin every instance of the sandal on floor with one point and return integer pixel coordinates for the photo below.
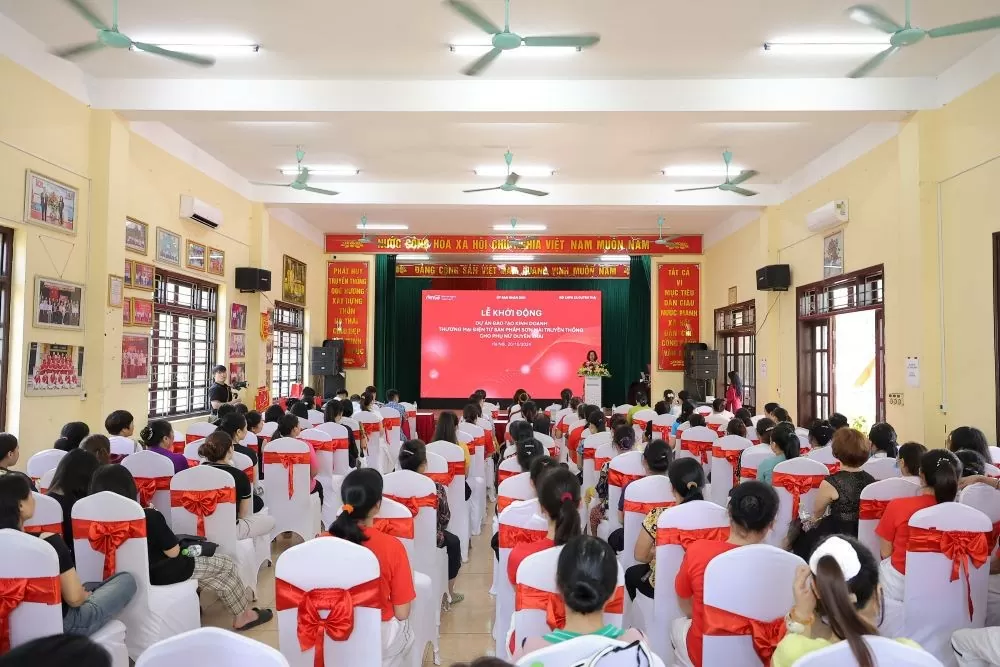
(263, 616)
(456, 598)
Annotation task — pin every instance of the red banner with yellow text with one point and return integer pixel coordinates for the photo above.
(512, 270)
(678, 307)
(347, 293)
(485, 245)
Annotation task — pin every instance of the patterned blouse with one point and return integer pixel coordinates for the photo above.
(444, 513)
(649, 525)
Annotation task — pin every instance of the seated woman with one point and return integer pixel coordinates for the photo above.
(784, 446)
(333, 412)
(883, 439)
(71, 436)
(413, 457)
(235, 426)
(820, 434)
(969, 437)
(764, 427)
(641, 403)
(908, 461)
(288, 427)
(447, 431)
(98, 445)
(586, 577)
(120, 426)
(70, 483)
(85, 608)
(595, 424)
(158, 436)
(532, 459)
(837, 598)
(752, 508)
(656, 459)
(347, 412)
(687, 481)
(973, 465)
(273, 414)
(169, 565)
(362, 496)
(940, 471)
(217, 450)
(622, 441)
(838, 500)
(736, 427)
(559, 500)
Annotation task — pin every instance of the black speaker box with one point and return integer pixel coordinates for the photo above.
(701, 358)
(774, 278)
(324, 361)
(249, 279)
(701, 372)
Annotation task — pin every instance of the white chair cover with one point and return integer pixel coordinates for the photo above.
(508, 468)
(525, 516)
(211, 646)
(191, 453)
(411, 417)
(885, 651)
(751, 458)
(641, 496)
(825, 456)
(307, 567)
(625, 468)
(45, 482)
(297, 512)
(591, 442)
(881, 468)
(798, 467)
(316, 418)
(994, 455)
(42, 462)
(722, 469)
(876, 495)
(323, 444)
(378, 450)
(489, 435)
(579, 650)
(622, 409)
(27, 557)
(150, 465)
(47, 518)
(700, 439)
(122, 446)
(717, 423)
(198, 430)
(156, 612)
(392, 421)
(459, 523)
(639, 421)
(267, 432)
(551, 448)
(261, 543)
(476, 478)
(250, 442)
(341, 455)
(663, 426)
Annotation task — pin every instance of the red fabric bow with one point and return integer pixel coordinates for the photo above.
(797, 485)
(509, 536)
(962, 548)
(392, 422)
(662, 431)
(148, 486)
(641, 423)
(202, 503)
(488, 444)
(288, 461)
(455, 469)
(527, 597)
(251, 473)
(311, 628)
(748, 473)
(699, 449)
(107, 536)
(645, 508)
(731, 455)
(684, 537)
(505, 474)
(503, 502)
(621, 479)
(414, 503)
(397, 527)
(590, 453)
(45, 528)
(324, 445)
(834, 467)
(872, 509)
(13, 592)
(371, 428)
(765, 634)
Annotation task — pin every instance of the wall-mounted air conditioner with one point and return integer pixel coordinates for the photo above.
(832, 214)
(200, 212)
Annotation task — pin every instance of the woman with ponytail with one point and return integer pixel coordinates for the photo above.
(362, 496)
(622, 441)
(837, 598)
(586, 577)
(158, 436)
(71, 436)
(784, 446)
(559, 500)
(687, 480)
(656, 460)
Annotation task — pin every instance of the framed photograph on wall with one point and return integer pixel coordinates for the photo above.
(216, 261)
(136, 236)
(168, 247)
(237, 345)
(238, 317)
(116, 291)
(127, 311)
(293, 281)
(195, 256)
(142, 313)
(54, 370)
(58, 304)
(135, 358)
(143, 276)
(833, 254)
(237, 372)
(128, 273)
(49, 203)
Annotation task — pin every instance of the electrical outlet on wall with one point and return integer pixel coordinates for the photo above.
(896, 399)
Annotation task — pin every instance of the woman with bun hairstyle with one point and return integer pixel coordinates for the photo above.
(940, 471)
(71, 435)
(595, 424)
(837, 598)
(559, 500)
(622, 441)
(158, 436)
(687, 481)
(785, 447)
(413, 457)
(820, 434)
(217, 450)
(656, 460)
(537, 465)
(586, 577)
(752, 508)
(362, 496)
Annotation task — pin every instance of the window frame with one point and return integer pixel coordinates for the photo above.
(287, 321)
(202, 290)
(6, 289)
(735, 327)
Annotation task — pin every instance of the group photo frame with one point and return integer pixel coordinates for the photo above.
(136, 236)
(58, 304)
(50, 203)
(168, 247)
(54, 370)
(135, 358)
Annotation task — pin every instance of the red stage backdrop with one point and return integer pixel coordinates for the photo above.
(603, 270)
(678, 313)
(347, 309)
(503, 341)
(485, 245)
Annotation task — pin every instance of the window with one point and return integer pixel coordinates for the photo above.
(736, 341)
(289, 348)
(184, 328)
(6, 266)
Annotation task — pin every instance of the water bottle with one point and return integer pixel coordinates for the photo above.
(193, 551)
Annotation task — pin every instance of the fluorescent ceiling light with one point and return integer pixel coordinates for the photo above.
(224, 50)
(521, 227)
(696, 170)
(473, 50)
(323, 170)
(827, 45)
(412, 258)
(528, 172)
(381, 227)
(513, 258)
(615, 258)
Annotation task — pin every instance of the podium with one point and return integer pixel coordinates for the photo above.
(592, 390)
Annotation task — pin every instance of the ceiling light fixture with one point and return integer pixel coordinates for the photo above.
(695, 171)
(383, 227)
(416, 257)
(825, 47)
(500, 171)
(615, 258)
(513, 258)
(325, 170)
(472, 50)
(521, 227)
(223, 50)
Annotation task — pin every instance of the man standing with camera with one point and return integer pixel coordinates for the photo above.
(220, 392)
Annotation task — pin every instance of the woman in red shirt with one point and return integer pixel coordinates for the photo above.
(559, 499)
(362, 496)
(752, 508)
(734, 392)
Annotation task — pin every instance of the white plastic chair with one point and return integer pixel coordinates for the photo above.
(726, 451)
(881, 468)
(697, 442)
(518, 519)
(806, 474)
(306, 567)
(825, 456)
(640, 420)
(623, 471)
(42, 462)
(198, 431)
(754, 582)
(191, 453)
(751, 458)
(874, 499)
(211, 646)
(27, 557)
(295, 510)
(156, 612)
(476, 479)
(579, 650)
(459, 523)
(316, 418)
(47, 518)
(591, 442)
(324, 446)
(641, 497)
(341, 446)
(934, 606)
(392, 422)
(378, 449)
(45, 482)
(152, 473)
(885, 651)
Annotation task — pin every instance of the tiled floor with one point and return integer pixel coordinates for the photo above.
(465, 631)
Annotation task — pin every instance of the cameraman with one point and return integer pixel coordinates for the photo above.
(220, 393)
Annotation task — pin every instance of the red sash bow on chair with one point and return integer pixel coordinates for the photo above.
(834, 467)
(148, 486)
(288, 461)
(13, 592)
(107, 536)
(202, 503)
(870, 509)
(621, 479)
(645, 508)
(685, 536)
(765, 634)
(995, 536)
(392, 422)
(958, 546)
(527, 597)
(600, 462)
(641, 423)
(797, 485)
(505, 474)
(320, 445)
(339, 602)
(509, 536)
(371, 428)
(414, 503)
(748, 473)
(503, 502)
(662, 431)
(45, 528)
(731, 455)
(397, 527)
(700, 450)
(455, 468)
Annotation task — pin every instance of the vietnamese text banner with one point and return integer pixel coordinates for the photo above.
(484, 245)
(678, 309)
(347, 310)
(602, 270)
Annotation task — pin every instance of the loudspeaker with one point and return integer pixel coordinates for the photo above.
(249, 279)
(701, 372)
(696, 358)
(774, 278)
(324, 361)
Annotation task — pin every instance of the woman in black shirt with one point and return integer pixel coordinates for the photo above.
(169, 565)
(234, 425)
(86, 608)
(333, 412)
(217, 450)
(70, 483)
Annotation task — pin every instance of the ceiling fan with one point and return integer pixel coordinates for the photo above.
(301, 181)
(907, 35)
(111, 37)
(510, 185)
(517, 242)
(731, 184)
(364, 230)
(505, 40)
(663, 240)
